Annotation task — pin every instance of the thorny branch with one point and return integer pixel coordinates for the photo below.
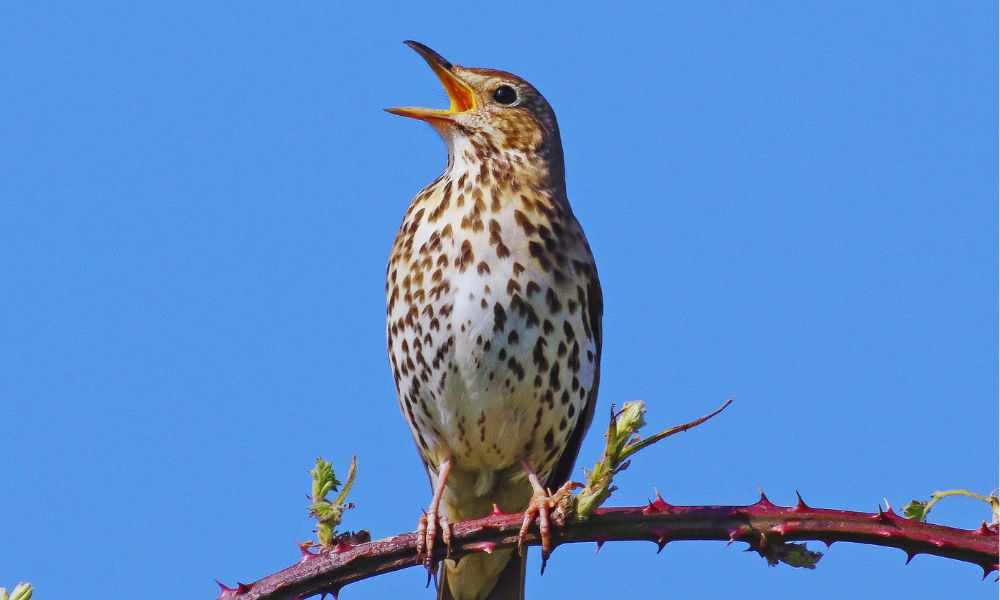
(766, 527)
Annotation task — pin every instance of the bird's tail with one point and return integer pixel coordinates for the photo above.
(482, 576)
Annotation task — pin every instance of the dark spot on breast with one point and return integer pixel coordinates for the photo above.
(524, 222)
(538, 355)
(518, 305)
(573, 362)
(416, 222)
(514, 365)
(553, 301)
(499, 317)
(465, 258)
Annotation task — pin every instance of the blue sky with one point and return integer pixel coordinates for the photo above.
(794, 204)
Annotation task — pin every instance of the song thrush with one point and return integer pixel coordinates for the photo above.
(493, 320)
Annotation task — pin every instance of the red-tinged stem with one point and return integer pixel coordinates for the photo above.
(761, 525)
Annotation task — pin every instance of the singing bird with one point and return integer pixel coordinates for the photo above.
(493, 320)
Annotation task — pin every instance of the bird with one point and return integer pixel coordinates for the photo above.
(493, 322)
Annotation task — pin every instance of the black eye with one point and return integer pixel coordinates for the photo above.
(505, 95)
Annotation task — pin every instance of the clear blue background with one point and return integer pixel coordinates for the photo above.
(793, 204)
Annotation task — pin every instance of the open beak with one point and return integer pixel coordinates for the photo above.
(459, 93)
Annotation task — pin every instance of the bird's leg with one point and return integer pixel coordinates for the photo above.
(428, 524)
(541, 503)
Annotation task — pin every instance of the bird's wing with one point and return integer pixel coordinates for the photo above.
(595, 311)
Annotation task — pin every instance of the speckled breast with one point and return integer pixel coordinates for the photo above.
(490, 329)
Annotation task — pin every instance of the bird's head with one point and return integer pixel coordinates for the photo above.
(493, 115)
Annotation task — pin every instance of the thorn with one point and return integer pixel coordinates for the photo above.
(657, 505)
(985, 529)
(829, 542)
(306, 552)
(497, 512)
(486, 547)
(242, 588)
(764, 502)
(800, 504)
(733, 534)
(600, 544)
(881, 516)
(909, 555)
(987, 569)
(225, 588)
(661, 539)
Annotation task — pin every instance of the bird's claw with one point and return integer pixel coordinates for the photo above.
(427, 528)
(445, 535)
(421, 536)
(549, 508)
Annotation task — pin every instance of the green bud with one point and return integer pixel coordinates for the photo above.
(915, 510)
(23, 591)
